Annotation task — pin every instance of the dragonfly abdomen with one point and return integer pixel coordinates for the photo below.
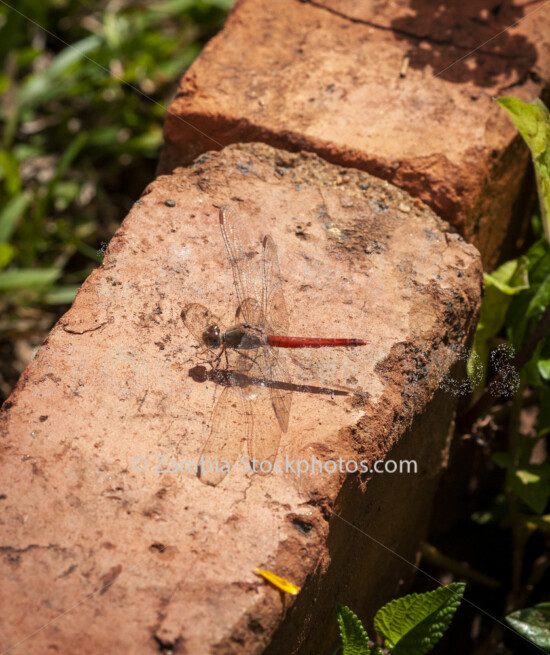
(311, 342)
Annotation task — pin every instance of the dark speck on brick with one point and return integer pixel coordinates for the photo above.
(170, 203)
(302, 526)
(201, 160)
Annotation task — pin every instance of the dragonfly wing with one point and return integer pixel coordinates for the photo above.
(250, 312)
(281, 398)
(264, 444)
(274, 372)
(232, 427)
(273, 301)
(230, 226)
(197, 318)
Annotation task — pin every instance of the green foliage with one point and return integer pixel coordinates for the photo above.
(533, 623)
(410, 625)
(78, 142)
(533, 122)
(518, 292)
(354, 638)
(516, 308)
(500, 288)
(530, 482)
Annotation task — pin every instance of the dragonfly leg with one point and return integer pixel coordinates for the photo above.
(215, 363)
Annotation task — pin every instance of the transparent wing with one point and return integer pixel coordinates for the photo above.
(274, 371)
(230, 225)
(252, 310)
(264, 444)
(197, 318)
(232, 428)
(273, 302)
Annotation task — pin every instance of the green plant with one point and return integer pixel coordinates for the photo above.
(533, 623)
(84, 87)
(410, 625)
(84, 92)
(516, 312)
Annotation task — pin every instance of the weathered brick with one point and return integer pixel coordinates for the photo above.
(100, 557)
(325, 77)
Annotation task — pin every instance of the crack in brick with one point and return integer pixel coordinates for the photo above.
(85, 330)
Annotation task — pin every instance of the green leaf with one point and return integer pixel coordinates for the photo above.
(412, 625)
(48, 84)
(7, 253)
(354, 638)
(9, 168)
(532, 484)
(509, 278)
(526, 307)
(501, 287)
(532, 121)
(11, 214)
(62, 295)
(28, 277)
(533, 623)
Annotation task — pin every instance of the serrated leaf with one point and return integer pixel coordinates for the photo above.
(533, 623)
(412, 625)
(355, 640)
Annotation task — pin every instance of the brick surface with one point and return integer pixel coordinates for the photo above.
(101, 557)
(327, 77)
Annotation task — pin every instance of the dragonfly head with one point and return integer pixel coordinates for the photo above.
(212, 336)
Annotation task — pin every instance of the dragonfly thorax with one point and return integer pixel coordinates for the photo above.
(244, 337)
(212, 336)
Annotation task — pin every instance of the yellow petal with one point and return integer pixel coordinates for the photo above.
(280, 583)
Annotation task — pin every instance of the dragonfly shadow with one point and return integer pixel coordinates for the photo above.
(234, 378)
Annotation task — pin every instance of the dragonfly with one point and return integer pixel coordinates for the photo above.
(253, 410)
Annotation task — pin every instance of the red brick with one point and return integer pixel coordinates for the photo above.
(98, 557)
(325, 77)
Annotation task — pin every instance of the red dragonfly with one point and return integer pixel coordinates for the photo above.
(245, 412)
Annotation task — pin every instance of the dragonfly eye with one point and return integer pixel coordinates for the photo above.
(212, 337)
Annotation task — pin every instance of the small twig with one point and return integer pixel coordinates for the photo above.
(462, 569)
